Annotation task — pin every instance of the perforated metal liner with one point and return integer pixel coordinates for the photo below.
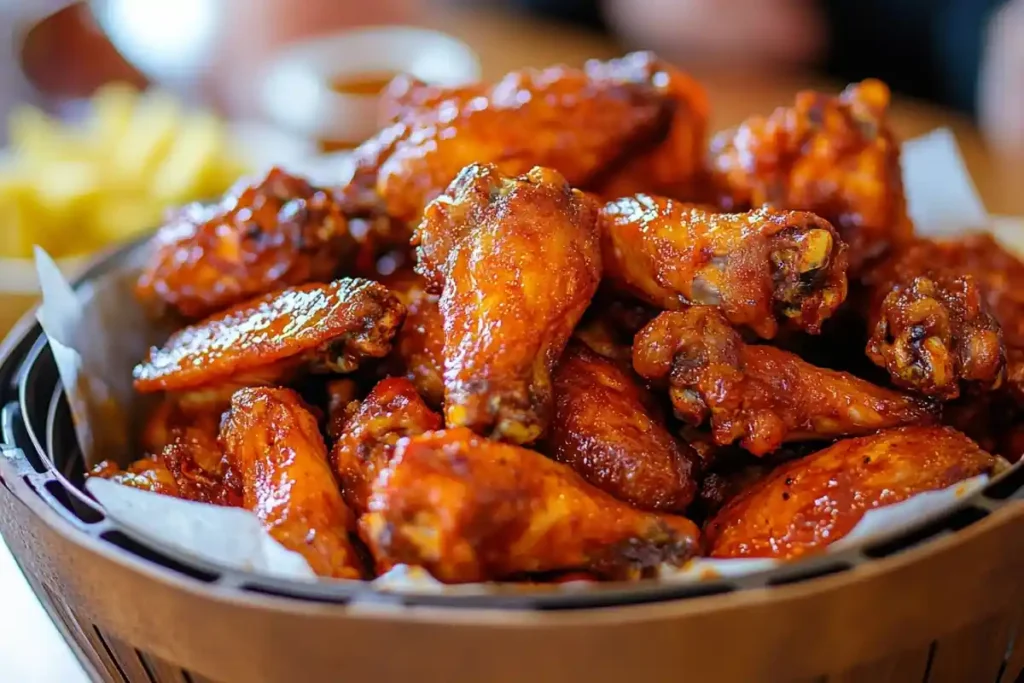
(41, 473)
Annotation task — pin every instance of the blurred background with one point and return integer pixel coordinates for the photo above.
(965, 54)
(87, 161)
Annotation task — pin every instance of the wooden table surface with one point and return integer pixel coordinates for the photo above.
(506, 43)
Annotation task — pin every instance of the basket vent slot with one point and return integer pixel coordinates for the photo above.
(130, 661)
(82, 512)
(282, 593)
(161, 670)
(1012, 484)
(125, 542)
(954, 522)
(597, 601)
(115, 666)
(85, 640)
(931, 662)
(809, 573)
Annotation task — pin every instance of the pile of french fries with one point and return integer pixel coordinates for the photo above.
(73, 189)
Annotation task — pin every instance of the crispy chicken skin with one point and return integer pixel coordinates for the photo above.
(274, 442)
(469, 509)
(761, 268)
(834, 156)
(809, 503)
(516, 261)
(321, 326)
(280, 231)
(419, 344)
(577, 121)
(606, 428)
(760, 395)
(930, 326)
(391, 411)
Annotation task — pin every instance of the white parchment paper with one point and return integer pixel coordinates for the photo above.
(100, 331)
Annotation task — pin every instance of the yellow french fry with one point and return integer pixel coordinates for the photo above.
(35, 137)
(189, 165)
(73, 189)
(113, 109)
(148, 137)
(118, 218)
(15, 218)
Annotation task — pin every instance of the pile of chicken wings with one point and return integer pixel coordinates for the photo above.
(550, 329)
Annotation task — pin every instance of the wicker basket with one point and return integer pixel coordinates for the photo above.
(942, 602)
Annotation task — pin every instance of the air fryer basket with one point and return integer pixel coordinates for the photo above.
(135, 611)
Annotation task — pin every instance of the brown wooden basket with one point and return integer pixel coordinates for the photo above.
(942, 602)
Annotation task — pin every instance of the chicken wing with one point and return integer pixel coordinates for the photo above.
(577, 121)
(392, 410)
(607, 429)
(812, 502)
(147, 474)
(278, 232)
(274, 442)
(673, 166)
(468, 509)
(517, 261)
(760, 395)
(419, 344)
(930, 326)
(834, 156)
(333, 326)
(184, 436)
(760, 268)
(1000, 276)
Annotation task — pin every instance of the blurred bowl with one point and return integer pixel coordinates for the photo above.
(298, 90)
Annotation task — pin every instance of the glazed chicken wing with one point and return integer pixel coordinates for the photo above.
(834, 156)
(367, 441)
(274, 442)
(1000, 276)
(186, 438)
(578, 121)
(930, 325)
(606, 428)
(760, 395)
(517, 261)
(760, 268)
(148, 474)
(278, 232)
(185, 458)
(419, 344)
(809, 503)
(332, 326)
(468, 509)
